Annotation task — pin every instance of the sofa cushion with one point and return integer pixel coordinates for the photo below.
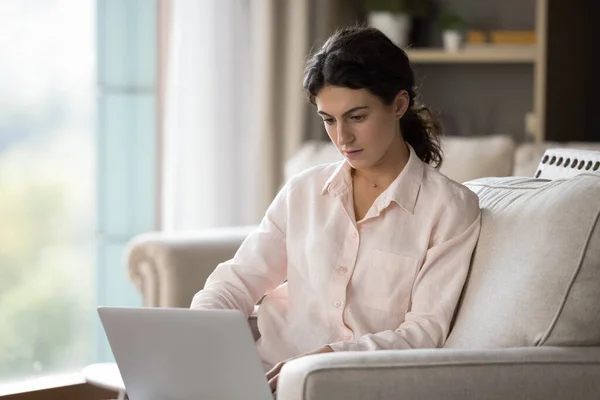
(468, 158)
(465, 158)
(535, 273)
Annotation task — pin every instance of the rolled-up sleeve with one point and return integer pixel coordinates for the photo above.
(259, 265)
(437, 286)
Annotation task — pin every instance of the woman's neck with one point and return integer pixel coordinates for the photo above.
(387, 170)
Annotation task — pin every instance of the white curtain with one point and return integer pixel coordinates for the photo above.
(208, 141)
(234, 107)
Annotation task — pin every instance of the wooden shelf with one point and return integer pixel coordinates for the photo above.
(478, 56)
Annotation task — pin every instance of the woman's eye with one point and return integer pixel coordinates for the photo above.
(357, 118)
(328, 121)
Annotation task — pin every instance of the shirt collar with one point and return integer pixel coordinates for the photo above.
(340, 180)
(403, 190)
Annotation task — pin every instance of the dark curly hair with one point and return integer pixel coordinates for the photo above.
(361, 57)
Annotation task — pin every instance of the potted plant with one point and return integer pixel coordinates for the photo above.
(453, 26)
(392, 17)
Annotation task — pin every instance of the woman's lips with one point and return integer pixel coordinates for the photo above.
(353, 153)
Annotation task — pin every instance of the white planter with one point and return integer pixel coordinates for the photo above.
(395, 26)
(453, 40)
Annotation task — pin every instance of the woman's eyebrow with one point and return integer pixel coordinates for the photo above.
(350, 111)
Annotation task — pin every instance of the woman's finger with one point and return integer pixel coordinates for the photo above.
(274, 371)
(273, 383)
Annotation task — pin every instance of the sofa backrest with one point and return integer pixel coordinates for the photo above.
(468, 158)
(535, 273)
(465, 158)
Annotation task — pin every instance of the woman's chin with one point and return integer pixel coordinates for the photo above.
(357, 164)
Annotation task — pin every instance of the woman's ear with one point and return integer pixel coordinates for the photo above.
(401, 103)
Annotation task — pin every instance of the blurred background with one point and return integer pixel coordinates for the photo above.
(120, 117)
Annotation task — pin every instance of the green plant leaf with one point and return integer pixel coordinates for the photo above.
(450, 20)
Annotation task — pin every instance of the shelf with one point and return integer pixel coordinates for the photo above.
(479, 56)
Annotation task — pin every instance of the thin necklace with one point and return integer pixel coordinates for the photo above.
(373, 185)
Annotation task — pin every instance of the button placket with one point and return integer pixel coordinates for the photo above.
(351, 247)
(343, 272)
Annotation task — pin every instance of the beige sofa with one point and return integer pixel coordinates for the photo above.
(465, 158)
(527, 326)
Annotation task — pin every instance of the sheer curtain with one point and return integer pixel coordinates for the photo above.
(207, 136)
(234, 107)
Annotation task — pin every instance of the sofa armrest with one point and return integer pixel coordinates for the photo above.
(518, 373)
(169, 268)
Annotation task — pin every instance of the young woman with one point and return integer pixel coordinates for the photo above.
(372, 252)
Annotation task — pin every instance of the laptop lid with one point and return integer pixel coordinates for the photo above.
(172, 353)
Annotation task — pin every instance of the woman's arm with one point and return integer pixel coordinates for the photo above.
(438, 285)
(258, 267)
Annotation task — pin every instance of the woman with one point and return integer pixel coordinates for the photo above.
(369, 253)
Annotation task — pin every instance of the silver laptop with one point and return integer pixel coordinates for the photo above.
(183, 354)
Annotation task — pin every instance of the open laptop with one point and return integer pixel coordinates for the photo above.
(183, 354)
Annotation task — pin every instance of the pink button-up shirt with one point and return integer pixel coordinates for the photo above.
(389, 281)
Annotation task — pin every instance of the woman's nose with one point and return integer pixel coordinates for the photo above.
(343, 135)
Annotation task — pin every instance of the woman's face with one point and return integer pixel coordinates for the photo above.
(364, 129)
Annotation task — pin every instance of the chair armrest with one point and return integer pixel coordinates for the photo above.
(169, 268)
(518, 373)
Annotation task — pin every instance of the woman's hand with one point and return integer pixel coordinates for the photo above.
(273, 374)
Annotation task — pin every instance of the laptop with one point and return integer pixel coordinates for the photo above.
(184, 354)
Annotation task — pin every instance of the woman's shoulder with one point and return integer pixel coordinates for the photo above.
(314, 177)
(445, 189)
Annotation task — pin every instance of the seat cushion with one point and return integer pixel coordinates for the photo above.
(535, 273)
(468, 158)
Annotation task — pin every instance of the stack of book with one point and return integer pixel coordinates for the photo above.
(504, 39)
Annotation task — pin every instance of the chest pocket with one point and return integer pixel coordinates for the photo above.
(388, 281)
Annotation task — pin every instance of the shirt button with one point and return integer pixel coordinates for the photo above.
(343, 270)
(337, 304)
(354, 235)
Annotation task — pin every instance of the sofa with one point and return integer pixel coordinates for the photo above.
(528, 322)
(465, 158)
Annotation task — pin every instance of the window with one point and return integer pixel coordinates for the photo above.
(47, 186)
(78, 167)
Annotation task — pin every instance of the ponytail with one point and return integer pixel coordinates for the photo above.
(421, 128)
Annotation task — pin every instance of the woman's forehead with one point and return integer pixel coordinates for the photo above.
(334, 99)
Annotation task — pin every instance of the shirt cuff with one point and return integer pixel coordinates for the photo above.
(350, 345)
